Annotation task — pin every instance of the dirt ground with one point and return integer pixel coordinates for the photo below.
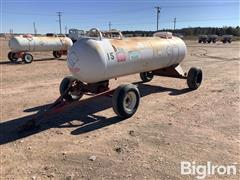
(85, 140)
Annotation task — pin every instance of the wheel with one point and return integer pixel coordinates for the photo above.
(12, 56)
(224, 41)
(75, 91)
(27, 58)
(229, 41)
(146, 76)
(126, 100)
(199, 41)
(194, 78)
(57, 54)
(209, 41)
(214, 41)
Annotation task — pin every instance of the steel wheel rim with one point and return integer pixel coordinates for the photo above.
(28, 58)
(150, 74)
(75, 94)
(130, 101)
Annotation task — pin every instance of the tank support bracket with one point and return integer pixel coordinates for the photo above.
(174, 71)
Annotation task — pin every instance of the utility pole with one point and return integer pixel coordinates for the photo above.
(158, 12)
(59, 20)
(11, 32)
(34, 28)
(66, 30)
(174, 21)
(109, 25)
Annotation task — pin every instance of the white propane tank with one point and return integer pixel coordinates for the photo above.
(92, 60)
(31, 43)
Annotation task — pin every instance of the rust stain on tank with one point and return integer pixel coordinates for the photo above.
(135, 43)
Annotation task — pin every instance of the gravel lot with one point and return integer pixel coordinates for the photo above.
(85, 140)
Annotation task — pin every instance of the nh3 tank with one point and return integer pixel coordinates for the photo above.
(21, 45)
(91, 60)
(96, 59)
(227, 38)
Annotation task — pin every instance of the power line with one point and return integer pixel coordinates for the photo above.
(170, 21)
(199, 5)
(127, 10)
(120, 12)
(28, 14)
(209, 19)
(59, 20)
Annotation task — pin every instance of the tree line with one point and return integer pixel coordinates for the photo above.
(191, 31)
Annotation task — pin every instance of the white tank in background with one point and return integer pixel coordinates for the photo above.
(20, 45)
(37, 44)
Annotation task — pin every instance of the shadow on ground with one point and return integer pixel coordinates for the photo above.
(7, 62)
(84, 111)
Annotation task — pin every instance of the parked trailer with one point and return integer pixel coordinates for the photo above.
(94, 60)
(202, 38)
(75, 34)
(21, 46)
(212, 38)
(227, 38)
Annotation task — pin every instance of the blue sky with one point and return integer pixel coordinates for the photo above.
(19, 15)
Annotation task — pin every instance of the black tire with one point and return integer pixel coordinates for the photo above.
(70, 95)
(194, 78)
(12, 56)
(126, 100)
(224, 41)
(214, 41)
(209, 41)
(57, 54)
(146, 76)
(199, 41)
(27, 58)
(229, 41)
